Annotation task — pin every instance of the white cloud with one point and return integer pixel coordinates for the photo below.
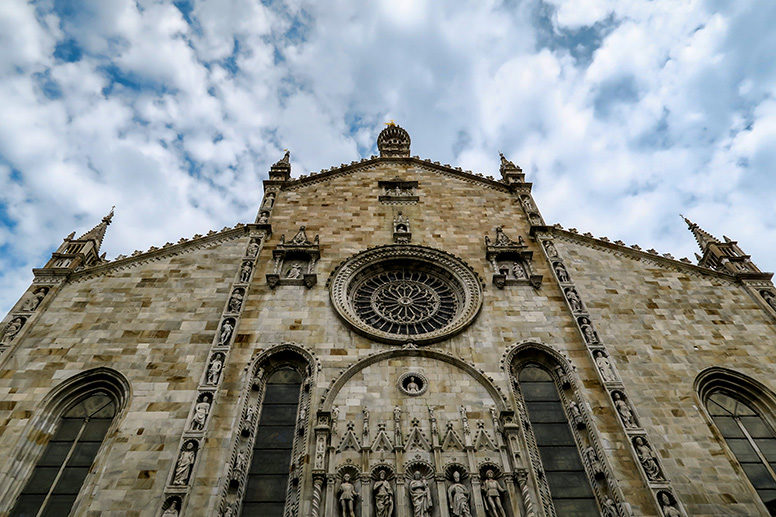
(174, 114)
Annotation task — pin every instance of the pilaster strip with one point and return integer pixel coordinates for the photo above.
(193, 438)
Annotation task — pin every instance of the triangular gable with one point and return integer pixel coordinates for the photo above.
(451, 439)
(482, 439)
(382, 442)
(349, 440)
(415, 438)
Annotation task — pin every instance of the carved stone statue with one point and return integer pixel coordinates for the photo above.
(294, 272)
(624, 410)
(518, 270)
(609, 508)
(493, 490)
(184, 465)
(235, 302)
(12, 329)
(770, 298)
(269, 201)
(574, 301)
(576, 415)
(648, 459)
(173, 510)
(587, 330)
(604, 366)
(668, 508)
(560, 270)
(245, 272)
(383, 496)
(32, 303)
(595, 464)
(201, 411)
(214, 370)
(550, 247)
(412, 386)
(226, 332)
(263, 218)
(253, 249)
(347, 496)
(530, 206)
(420, 495)
(458, 497)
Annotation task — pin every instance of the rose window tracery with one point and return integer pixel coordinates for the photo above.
(406, 293)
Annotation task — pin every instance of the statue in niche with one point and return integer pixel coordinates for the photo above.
(33, 302)
(263, 217)
(530, 206)
(250, 414)
(214, 370)
(769, 298)
(201, 411)
(295, 271)
(458, 497)
(347, 496)
(226, 332)
(420, 495)
(493, 490)
(235, 302)
(13, 328)
(253, 248)
(518, 270)
(574, 300)
(576, 415)
(595, 463)
(245, 272)
(667, 506)
(173, 510)
(560, 270)
(412, 386)
(241, 461)
(501, 237)
(609, 508)
(587, 331)
(269, 201)
(623, 410)
(648, 459)
(550, 247)
(184, 465)
(383, 496)
(604, 366)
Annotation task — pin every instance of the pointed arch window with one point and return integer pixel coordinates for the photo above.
(569, 485)
(268, 476)
(751, 439)
(60, 472)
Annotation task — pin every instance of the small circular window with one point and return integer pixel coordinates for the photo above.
(406, 293)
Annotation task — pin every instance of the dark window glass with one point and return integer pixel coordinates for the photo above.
(569, 486)
(265, 493)
(751, 440)
(60, 472)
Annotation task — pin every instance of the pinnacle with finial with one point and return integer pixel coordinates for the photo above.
(97, 234)
(702, 237)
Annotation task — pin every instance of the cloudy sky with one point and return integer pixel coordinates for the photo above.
(624, 113)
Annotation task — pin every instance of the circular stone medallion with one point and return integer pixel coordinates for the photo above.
(406, 293)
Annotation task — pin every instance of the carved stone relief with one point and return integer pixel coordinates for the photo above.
(295, 261)
(171, 507)
(201, 411)
(511, 261)
(769, 297)
(12, 329)
(398, 192)
(493, 493)
(34, 299)
(648, 459)
(225, 332)
(214, 368)
(458, 495)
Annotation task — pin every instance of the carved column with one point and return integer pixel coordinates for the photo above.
(330, 506)
(525, 492)
(442, 495)
(317, 490)
(366, 495)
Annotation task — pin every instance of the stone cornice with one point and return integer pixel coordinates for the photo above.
(637, 254)
(373, 161)
(183, 246)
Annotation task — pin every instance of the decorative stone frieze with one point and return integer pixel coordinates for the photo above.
(295, 261)
(398, 192)
(511, 261)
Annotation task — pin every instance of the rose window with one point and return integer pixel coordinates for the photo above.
(405, 293)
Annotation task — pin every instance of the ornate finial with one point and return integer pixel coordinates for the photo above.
(390, 123)
(108, 218)
(393, 141)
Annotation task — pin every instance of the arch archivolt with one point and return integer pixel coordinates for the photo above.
(583, 428)
(261, 367)
(43, 424)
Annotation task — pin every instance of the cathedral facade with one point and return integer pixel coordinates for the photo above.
(392, 337)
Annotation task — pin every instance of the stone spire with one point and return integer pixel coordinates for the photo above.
(510, 173)
(725, 256)
(702, 237)
(97, 234)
